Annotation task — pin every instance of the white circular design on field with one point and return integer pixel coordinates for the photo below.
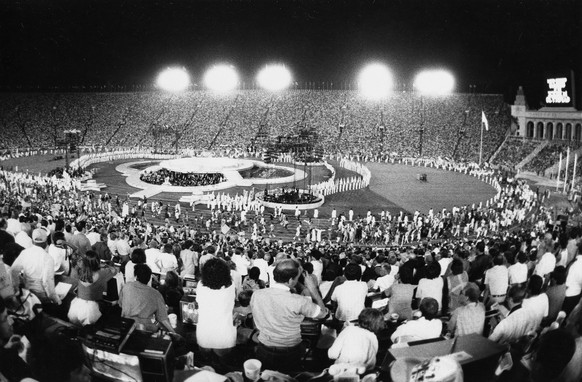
(206, 165)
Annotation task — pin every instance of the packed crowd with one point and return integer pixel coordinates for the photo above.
(514, 151)
(230, 121)
(550, 156)
(180, 179)
(440, 272)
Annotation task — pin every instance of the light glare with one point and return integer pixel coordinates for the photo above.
(375, 81)
(173, 79)
(434, 82)
(274, 77)
(221, 78)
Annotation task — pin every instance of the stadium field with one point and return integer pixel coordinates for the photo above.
(394, 187)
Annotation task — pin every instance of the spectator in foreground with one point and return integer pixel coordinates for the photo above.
(142, 303)
(278, 314)
(469, 317)
(358, 345)
(427, 326)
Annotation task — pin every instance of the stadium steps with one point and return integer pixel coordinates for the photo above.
(532, 155)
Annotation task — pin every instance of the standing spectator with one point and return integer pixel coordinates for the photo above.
(79, 240)
(497, 280)
(101, 247)
(573, 284)
(138, 256)
(37, 267)
(189, 259)
(432, 285)
(518, 272)
(215, 294)
(556, 292)
(351, 295)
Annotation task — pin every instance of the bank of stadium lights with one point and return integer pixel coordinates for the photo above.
(173, 79)
(274, 77)
(221, 78)
(375, 81)
(434, 82)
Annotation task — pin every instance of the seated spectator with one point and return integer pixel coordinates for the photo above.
(456, 282)
(400, 296)
(12, 366)
(138, 256)
(253, 281)
(518, 322)
(142, 303)
(278, 314)
(427, 326)
(536, 300)
(358, 345)
(93, 279)
(469, 317)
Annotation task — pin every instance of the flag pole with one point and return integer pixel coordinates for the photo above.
(559, 171)
(481, 145)
(574, 174)
(566, 168)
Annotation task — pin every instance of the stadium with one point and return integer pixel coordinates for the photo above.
(226, 217)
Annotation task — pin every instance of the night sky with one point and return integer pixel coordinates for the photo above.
(495, 45)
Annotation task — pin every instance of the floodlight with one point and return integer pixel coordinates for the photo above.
(174, 79)
(274, 77)
(221, 78)
(434, 82)
(375, 81)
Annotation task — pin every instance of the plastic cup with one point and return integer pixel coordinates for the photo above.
(252, 369)
(173, 319)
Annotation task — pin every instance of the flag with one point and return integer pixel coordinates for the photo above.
(484, 121)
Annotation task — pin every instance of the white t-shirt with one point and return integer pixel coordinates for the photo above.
(431, 288)
(517, 273)
(350, 297)
(497, 278)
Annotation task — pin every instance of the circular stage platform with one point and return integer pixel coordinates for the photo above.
(202, 165)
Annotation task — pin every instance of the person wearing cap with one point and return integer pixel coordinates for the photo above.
(37, 268)
(470, 316)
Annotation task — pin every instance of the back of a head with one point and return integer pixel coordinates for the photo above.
(167, 248)
(433, 270)
(138, 256)
(285, 270)
(498, 260)
(429, 307)
(353, 271)
(559, 275)
(143, 273)
(80, 225)
(555, 350)
(371, 319)
(472, 292)
(535, 284)
(254, 273)
(216, 274)
(457, 266)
